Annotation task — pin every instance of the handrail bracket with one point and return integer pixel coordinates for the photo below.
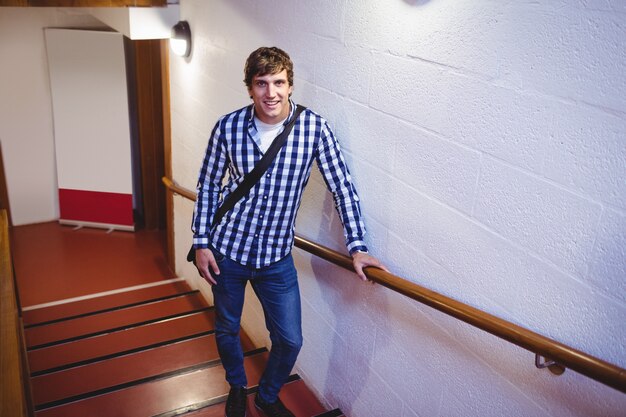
(554, 367)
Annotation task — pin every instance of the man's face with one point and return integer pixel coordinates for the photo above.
(270, 94)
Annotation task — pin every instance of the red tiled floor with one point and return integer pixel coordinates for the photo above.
(54, 262)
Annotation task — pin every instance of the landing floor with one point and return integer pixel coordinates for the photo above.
(54, 262)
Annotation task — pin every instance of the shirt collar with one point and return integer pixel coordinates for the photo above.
(250, 115)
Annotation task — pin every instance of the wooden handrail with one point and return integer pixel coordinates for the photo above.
(13, 396)
(576, 360)
(185, 192)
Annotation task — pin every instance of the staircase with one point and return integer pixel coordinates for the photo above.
(138, 353)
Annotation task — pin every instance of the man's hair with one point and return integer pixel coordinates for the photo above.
(265, 61)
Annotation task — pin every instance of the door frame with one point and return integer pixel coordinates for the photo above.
(150, 68)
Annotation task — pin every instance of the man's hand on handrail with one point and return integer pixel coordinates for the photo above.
(361, 259)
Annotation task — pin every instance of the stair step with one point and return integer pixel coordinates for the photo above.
(127, 351)
(158, 396)
(123, 370)
(65, 331)
(295, 395)
(208, 405)
(94, 305)
(115, 343)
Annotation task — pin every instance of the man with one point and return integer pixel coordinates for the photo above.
(253, 241)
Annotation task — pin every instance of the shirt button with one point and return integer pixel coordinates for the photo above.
(256, 235)
(268, 175)
(264, 197)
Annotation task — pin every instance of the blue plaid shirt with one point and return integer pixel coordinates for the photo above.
(259, 230)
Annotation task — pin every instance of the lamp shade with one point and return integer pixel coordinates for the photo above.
(180, 40)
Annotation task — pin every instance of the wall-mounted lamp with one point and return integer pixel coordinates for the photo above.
(180, 40)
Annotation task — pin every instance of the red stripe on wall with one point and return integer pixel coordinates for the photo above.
(96, 207)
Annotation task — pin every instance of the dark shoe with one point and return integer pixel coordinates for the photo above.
(276, 409)
(236, 403)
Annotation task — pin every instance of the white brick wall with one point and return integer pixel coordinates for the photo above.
(487, 141)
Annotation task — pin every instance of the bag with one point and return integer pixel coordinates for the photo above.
(252, 177)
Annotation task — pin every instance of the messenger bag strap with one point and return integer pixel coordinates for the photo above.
(253, 176)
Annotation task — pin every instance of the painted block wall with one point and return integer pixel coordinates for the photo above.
(487, 142)
(26, 124)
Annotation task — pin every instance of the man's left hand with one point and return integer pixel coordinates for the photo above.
(361, 259)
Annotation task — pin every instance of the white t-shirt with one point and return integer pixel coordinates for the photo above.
(267, 133)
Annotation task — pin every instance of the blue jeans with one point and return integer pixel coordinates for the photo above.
(276, 286)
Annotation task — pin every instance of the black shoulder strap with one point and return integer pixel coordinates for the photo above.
(252, 177)
(258, 170)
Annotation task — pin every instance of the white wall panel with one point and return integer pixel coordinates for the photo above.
(91, 127)
(90, 102)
